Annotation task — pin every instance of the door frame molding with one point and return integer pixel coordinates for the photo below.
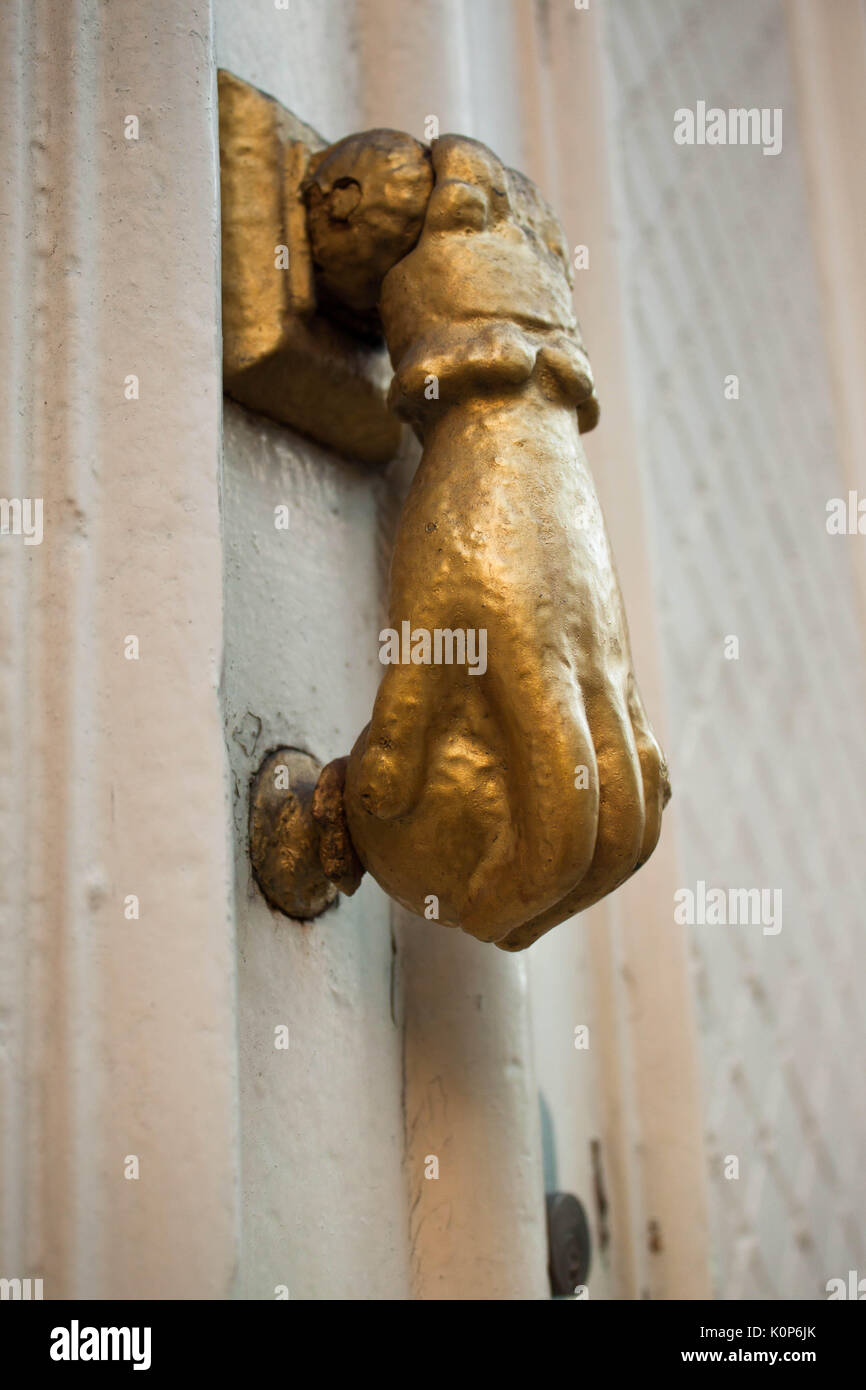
(118, 1033)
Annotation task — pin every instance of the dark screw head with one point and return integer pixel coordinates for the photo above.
(568, 1241)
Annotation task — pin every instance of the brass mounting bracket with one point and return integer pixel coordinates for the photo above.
(281, 356)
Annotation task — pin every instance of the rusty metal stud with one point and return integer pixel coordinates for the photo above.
(284, 837)
(569, 1243)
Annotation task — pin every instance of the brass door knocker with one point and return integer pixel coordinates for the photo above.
(508, 777)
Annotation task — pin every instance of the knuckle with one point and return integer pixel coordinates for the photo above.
(459, 206)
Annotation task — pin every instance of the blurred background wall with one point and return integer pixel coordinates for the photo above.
(722, 275)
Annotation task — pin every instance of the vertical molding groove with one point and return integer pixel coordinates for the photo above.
(15, 299)
(828, 51)
(116, 1035)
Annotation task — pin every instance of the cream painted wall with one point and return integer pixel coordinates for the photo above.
(722, 252)
(116, 1032)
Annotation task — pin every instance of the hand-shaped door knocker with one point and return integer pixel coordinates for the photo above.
(509, 772)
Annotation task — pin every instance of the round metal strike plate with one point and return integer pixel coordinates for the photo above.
(284, 838)
(569, 1243)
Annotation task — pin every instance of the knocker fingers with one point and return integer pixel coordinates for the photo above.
(656, 786)
(553, 790)
(621, 817)
(388, 778)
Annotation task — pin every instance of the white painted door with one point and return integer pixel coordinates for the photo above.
(410, 1043)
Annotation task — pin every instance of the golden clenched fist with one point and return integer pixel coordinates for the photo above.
(508, 777)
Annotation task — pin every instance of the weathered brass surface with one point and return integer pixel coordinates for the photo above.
(284, 838)
(503, 798)
(366, 199)
(337, 854)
